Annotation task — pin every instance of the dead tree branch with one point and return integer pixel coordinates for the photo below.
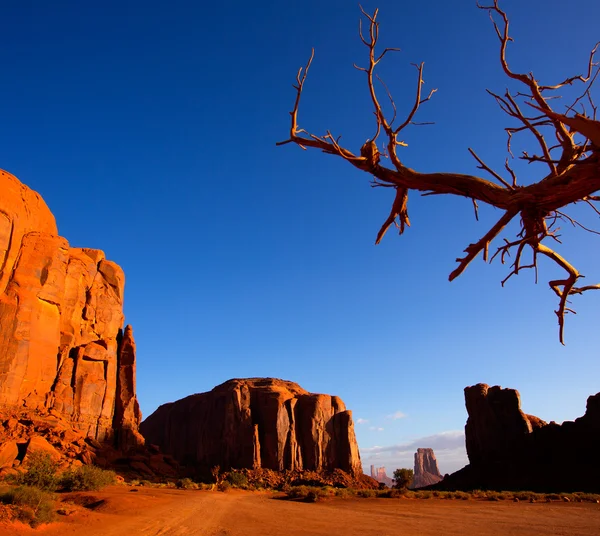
(572, 163)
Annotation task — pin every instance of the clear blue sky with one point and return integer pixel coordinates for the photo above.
(150, 128)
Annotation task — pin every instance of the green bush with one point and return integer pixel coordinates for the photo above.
(238, 480)
(403, 478)
(87, 478)
(34, 506)
(41, 472)
(185, 483)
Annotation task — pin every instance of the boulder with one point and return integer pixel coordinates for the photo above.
(8, 453)
(40, 445)
(257, 423)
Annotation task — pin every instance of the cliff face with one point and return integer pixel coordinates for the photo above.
(257, 423)
(509, 449)
(62, 346)
(426, 469)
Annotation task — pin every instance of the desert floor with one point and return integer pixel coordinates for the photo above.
(120, 511)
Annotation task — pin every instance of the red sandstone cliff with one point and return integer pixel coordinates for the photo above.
(62, 346)
(257, 423)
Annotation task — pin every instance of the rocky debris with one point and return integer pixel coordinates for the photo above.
(379, 474)
(257, 423)
(62, 347)
(426, 469)
(26, 431)
(510, 450)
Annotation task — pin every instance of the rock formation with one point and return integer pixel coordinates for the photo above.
(257, 423)
(509, 449)
(63, 352)
(426, 469)
(379, 474)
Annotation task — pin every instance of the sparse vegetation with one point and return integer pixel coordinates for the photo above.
(41, 472)
(32, 505)
(185, 483)
(237, 480)
(87, 478)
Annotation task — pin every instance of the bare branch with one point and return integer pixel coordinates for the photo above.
(488, 169)
(573, 162)
(473, 250)
(398, 211)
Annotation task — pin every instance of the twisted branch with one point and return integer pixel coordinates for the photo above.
(573, 166)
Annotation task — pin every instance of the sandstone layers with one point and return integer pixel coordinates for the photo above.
(257, 423)
(63, 349)
(426, 469)
(509, 449)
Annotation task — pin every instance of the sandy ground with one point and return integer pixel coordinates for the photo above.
(119, 511)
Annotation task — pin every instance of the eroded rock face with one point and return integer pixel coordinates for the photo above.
(509, 449)
(426, 469)
(257, 423)
(62, 347)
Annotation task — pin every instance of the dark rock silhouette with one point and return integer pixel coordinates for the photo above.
(511, 450)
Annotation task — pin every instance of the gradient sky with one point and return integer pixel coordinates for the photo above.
(150, 128)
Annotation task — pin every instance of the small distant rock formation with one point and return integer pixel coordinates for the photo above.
(379, 474)
(257, 423)
(511, 450)
(66, 363)
(426, 469)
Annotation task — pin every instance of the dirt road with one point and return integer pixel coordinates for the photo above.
(153, 512)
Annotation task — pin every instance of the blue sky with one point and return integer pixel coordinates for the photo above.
(150, 131)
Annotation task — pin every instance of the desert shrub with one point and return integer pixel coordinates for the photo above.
(310, 493)
(423, 494)
(461, 495)
(298, 492)
(588, 497)
(224, 486)
(492, 496)
(316, 494)
(526, 495)
(88, 478)
(367, 493)
(34, 506)
(184, 483)
(238, 480)
(41, 472)
(344, 493)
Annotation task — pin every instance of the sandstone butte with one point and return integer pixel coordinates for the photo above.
(426, 468)
(509, 449)
(64, 354)
(257, 423)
